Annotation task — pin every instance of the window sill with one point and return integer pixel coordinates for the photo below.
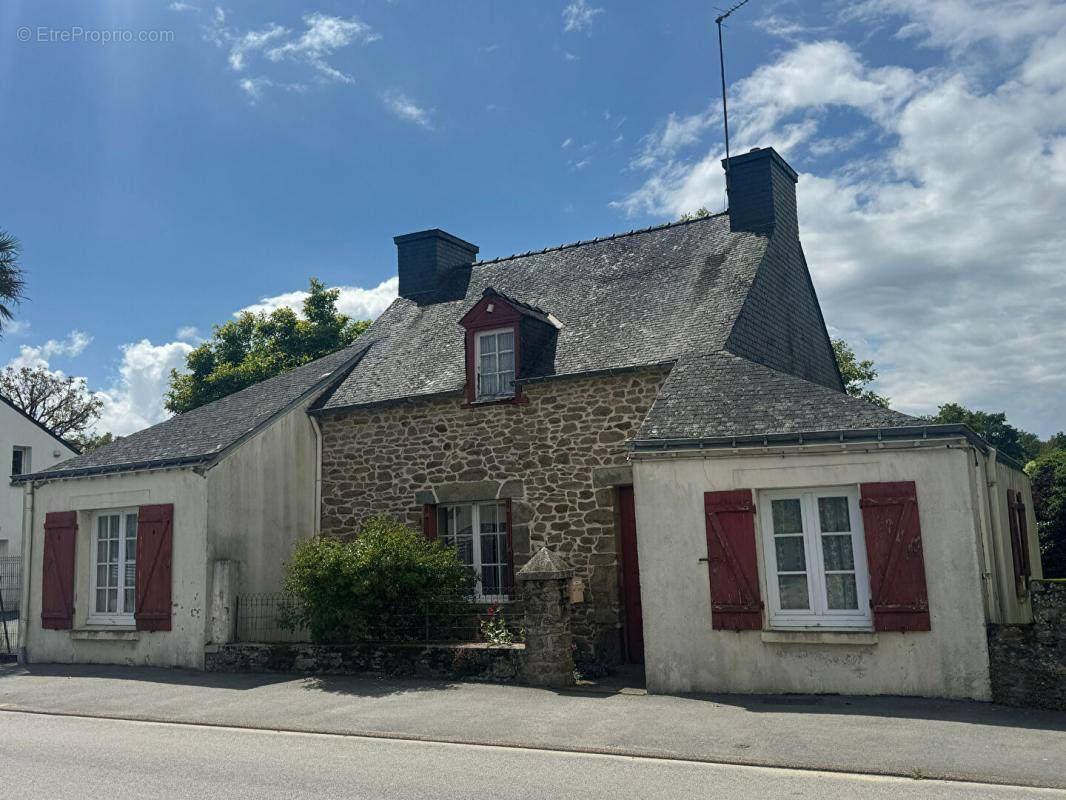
(512, 400)
(820, 637)
(105, 634)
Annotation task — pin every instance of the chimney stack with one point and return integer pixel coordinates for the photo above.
(761, 188)
(434, 265)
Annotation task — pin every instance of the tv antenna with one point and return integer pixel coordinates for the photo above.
(721, 63)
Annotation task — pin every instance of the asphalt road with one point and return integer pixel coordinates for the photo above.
(54, 756)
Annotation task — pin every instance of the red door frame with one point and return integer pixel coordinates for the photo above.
(629, 577)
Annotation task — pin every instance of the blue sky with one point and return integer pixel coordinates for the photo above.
(159, 186)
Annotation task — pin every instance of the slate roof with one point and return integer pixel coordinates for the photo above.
(630, 300)
(721, 395)
(202, 434)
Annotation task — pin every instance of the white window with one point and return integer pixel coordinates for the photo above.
(495, 364)
(20, 461)
(478, 532)
(815, 553)
(114, 575)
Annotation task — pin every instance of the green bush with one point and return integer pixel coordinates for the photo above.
(388, 582)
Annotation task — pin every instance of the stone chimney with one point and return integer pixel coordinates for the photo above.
(761, 187)
(433, 265)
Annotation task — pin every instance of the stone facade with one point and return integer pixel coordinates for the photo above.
(1028, 662)
(549, 656)
(557, 455)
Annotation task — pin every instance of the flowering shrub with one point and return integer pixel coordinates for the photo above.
(495, 630)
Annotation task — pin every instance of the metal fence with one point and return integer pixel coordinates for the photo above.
(275, 617)
(10, 596)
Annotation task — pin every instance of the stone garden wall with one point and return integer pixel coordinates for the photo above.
(1028, 662)
(557, 456)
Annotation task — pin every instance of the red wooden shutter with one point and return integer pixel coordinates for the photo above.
(429, 521)
(736, 604)
(57, 580)
(1019, 540)
(510, 552)
(154, 543)
(898, 593)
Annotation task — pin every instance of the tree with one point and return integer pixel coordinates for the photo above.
(993, 428)
(254, 347)
(1048, 474)
(87, 442)
(857, 374)
(700, 213)
(12, 284)
(63, 405)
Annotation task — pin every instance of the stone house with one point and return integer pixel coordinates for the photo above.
(629, 402)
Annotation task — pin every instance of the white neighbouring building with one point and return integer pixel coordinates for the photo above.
(25, 446)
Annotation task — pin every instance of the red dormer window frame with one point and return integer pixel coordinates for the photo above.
(491, 313)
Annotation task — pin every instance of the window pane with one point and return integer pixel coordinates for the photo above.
(841, 592)
(790, 557)
(131, 526)
(787, 516)
(507, 362)
(112, 575)
(488, 344)
(101, 551)
(101, 527)
(114, 521)
(837, 552)
(130, 576)
(101, 575)
(833, 514)
(112, 600)
(131, 551)
(101, 600)
(488, 384)
(505, 341)
(459, 532)
(793, 592)
(112, 550)
(128, 601)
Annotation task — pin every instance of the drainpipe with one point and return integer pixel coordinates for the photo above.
(318, 474)
(27, 572)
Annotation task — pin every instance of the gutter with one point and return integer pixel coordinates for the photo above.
(854, 435)
(27, 573)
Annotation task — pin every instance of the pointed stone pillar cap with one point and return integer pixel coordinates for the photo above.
(545, 565)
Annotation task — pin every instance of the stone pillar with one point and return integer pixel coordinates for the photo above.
(223, 627)
(544, 589)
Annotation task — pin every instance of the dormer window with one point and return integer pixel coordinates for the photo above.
(507, 341)
(495, 364)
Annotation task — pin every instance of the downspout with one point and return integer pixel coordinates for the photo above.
(985, 537)
(318, 474)
(27, 572)
(994, 528)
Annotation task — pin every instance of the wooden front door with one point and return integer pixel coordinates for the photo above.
(630, 577)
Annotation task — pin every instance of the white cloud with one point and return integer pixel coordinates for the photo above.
(179, 6)
(324, 35)
(188, 333)
(252, 41)
(940, 246)
(406, 109)
(16, 327)
(41, 355)
(566, 142)
(579, 16)
(135, 400)
(356, 302)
